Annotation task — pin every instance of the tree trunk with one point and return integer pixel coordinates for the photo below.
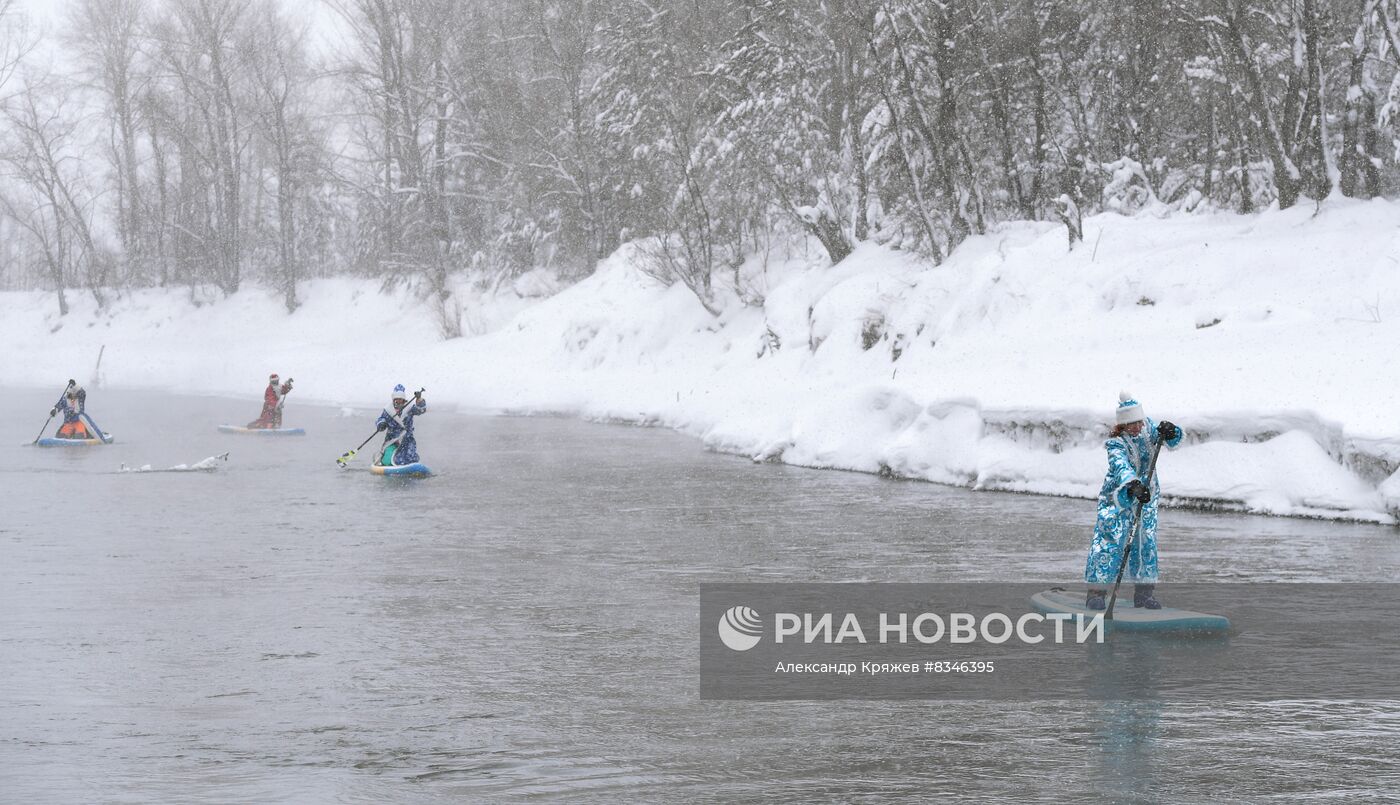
(1286, 175)
(1313, 146)
(828, 230)
(286, 210)
(901, 138)
(162, 196)
(133, 228)
(947, 121)
(844, 39)
(1037, 195)
(1208, 177)
(1068, 213)
(1359, 175)
(1246, 192)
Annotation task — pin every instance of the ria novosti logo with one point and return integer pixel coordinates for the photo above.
(740, 628)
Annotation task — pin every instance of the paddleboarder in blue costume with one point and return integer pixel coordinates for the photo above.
(73, 404)
(400, 447)
(1129, 453)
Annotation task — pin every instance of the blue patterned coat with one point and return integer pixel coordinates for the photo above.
(71, 412)
(1128, 457)
(400, 431)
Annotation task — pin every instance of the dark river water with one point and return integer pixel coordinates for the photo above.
(524, 624)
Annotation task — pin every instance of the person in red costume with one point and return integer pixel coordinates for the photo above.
(273, 398)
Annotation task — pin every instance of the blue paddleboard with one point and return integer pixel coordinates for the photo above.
(415, 470)
(55, 441)
(263, 431)
(1127, 618)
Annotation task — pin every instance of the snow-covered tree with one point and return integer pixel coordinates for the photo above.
(796, 88)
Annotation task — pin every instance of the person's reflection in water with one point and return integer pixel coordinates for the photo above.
(1126, 723)
(1133, 679)
(1125, 750)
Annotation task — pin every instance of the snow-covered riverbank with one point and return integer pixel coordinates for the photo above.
(1269, 338)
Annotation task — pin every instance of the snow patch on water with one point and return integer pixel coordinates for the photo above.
(203, 465)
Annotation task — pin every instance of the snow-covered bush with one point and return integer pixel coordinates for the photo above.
(1128, 189)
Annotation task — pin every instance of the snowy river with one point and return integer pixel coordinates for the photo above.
(524, 624)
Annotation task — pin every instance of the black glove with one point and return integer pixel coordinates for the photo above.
(53, 411)
(1137, 490)
(382, 426)
(1167, 431)
(72, 382)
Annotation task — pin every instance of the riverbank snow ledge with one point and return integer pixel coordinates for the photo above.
(1269, 338)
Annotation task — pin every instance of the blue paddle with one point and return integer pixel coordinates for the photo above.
(97, 430)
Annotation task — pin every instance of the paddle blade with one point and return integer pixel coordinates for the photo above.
(345, 458)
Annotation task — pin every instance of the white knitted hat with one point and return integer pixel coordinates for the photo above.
(1129, 410)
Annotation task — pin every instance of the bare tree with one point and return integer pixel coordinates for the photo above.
(565, 33)
(104, 34)
(197, 45)
(38, 217)
(401, 69)
(276, 61)
(15, 42)
(42, 159)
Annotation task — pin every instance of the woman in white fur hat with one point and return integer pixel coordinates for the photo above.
(1129, 453)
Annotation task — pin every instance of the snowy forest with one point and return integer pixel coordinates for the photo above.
(214, 143)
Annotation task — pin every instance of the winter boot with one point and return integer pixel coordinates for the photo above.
(1143, 598)
(1096, 599)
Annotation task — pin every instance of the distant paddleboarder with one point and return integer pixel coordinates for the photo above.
(273, 398)
(400, 447)
(1129, 453)
(73, 405)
